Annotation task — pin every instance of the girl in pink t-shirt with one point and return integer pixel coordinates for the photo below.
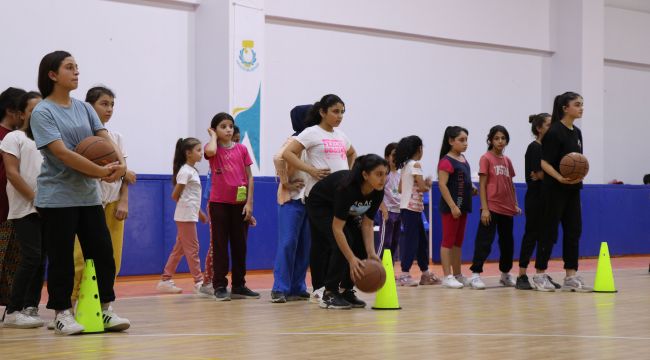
(231, 207)
(498, 206)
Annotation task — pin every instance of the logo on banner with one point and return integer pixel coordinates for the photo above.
(247, 59)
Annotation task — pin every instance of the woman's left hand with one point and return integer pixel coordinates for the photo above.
(247, 212)
(122, 210)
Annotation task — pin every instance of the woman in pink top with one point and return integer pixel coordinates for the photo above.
(498, 206)
(231, 207)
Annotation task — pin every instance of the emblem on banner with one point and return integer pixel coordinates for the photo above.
(247, 59)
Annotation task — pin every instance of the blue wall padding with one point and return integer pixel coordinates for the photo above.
(617, 214)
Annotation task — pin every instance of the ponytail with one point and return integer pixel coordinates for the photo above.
(537, 121)
(451, 132)
(180, 154)
(364, 163)
(560, 102)
(313, 116)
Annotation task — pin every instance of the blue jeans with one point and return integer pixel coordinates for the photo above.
(292, 256)
(414, 243)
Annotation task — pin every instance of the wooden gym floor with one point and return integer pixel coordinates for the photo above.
(435, 323)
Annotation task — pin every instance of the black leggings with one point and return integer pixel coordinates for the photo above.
(60, 225)
(561, 206)
(534, 209)
(28, 280)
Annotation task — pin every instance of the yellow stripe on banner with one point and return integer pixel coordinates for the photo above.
(236, 111)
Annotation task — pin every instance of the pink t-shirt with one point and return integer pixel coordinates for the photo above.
(500, 189)
(228, 167)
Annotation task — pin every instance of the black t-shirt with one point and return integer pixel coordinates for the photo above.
(557, 142)
(345, 202)
(533, 162)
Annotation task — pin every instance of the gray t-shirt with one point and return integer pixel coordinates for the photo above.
(58, 185)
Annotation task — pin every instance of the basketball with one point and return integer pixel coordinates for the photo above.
(97, 150)
(574, 166)
(373, 277)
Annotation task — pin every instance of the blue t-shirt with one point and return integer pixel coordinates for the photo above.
(58, 185)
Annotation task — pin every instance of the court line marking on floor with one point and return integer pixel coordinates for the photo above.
(266, 334)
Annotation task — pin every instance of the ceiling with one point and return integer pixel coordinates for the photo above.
(635, 5)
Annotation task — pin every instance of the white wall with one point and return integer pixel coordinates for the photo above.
(142, 52)
(627, 95)
(394, 88)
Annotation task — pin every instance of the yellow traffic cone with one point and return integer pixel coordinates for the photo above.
(386, 298)
(89, 309)
(604, 281)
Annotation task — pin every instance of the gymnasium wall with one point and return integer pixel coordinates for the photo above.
(627, 81)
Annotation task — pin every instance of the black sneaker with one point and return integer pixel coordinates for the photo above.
(221, 294)
(349, 296)
(278, 297)
(557, 286)
(303, 296)
(242, 292)
(334, 300)
(523, 283)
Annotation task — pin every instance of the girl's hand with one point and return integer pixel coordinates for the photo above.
(203, 218)
(567, 181)
(122, 210)
(252, 222)
(247, 212)
(130, 177)
(533, 176)
(374, 256)
(319, 174)
(518, 209)
(474, 190)
(428, 181)
(113, 172)
(455, 212)
(212, 133)
(486, 218)
(295, 185)
(356, 268)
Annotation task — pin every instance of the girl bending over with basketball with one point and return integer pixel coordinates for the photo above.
(498, 206)
(342, 207)
(187, 194)
(231, 207)
(534, 206)
(68, 191)
(22, 163)
(412, 186)
(456, 189)
(561, 194)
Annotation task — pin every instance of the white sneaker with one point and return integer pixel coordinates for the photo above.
(317, 295)
(112, 322)
(541, 283)
(21, 320)
(206, 291)
(462, 279)
(197, 287)
(168, 287)
(450, 282)
(50, 325)
(575, 284)
(406, 280)
(65, 324)
(507, 280)
(476, 283)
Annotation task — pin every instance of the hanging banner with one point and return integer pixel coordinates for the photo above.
(247, 75)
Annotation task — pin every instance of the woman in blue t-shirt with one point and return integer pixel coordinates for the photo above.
(68, 192)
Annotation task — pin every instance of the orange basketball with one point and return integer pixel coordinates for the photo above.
(574, 166)
(374, 277)
(97, 150)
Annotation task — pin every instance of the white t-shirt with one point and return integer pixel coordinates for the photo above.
(324, 149)
(24, 149)
(411, 198)
(110, 192)
(187, 208)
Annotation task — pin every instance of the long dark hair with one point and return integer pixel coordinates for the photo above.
(50, 62)
(493, 132)
(537, 121)
(22, 105)
(94, 93)
(451, 132)
(327, 101)
(180, 156)
(9, 100)
(364, 163)
(560, 102)
(406, 148)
